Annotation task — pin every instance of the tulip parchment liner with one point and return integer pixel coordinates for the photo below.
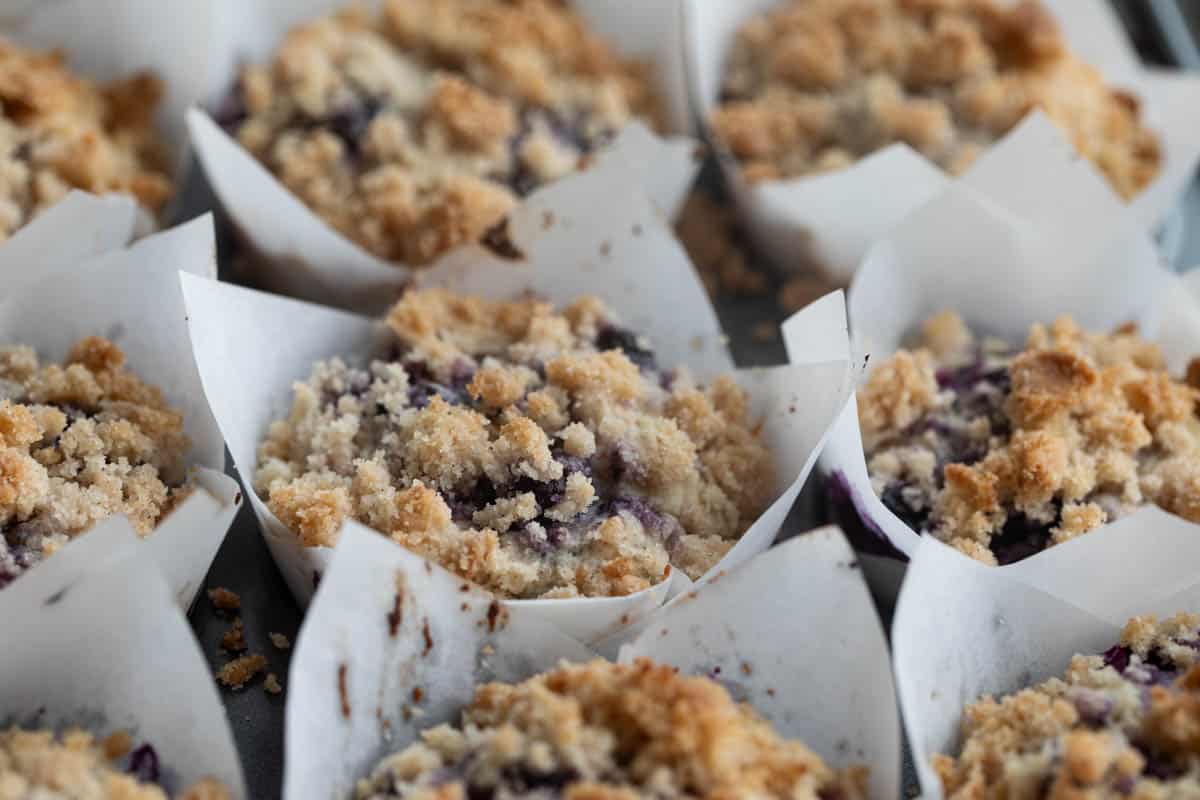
(828, 222)
(1005, 254)
(962, 629)
(251, 347)
(808, 654)
(294, 252)
(94, 640)
(50, 298)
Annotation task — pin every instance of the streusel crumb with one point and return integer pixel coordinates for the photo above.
(237, 673)
(79, 442)
(1003, 453)
(419, 129)
(224, 600)
(537, 453)
(814, 85)
(1122, 724)
(59, 132)
(74, 766)
(608, 731)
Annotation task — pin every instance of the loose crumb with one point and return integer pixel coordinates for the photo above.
(709, 233)
(280, 641)
(224, 600)
(240, 671)
(234, 640)
(271, 685)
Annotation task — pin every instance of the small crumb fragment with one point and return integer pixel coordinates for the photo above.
(280, 641)
(271, 684)
(240, 671)
(206, 789)
(117, 745)
(223, 599)
(234, 640)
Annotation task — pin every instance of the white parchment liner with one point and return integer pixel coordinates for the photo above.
(296, 253)
(963, 630)
(250, 348)
(1073, 250)
(827, 222)
(98, 644)
(114, 39)
(809, 655)
(132, 297)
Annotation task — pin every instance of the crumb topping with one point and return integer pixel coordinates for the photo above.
(237, 673)
(814, 85)
(224, 600)
(59, 132)
(603, 730)
(74, 766)
(537, 453)
(419, 129)
(79, 442)
(1003, 453)
(1120, 724)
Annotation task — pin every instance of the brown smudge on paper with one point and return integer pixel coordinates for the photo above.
(428, 637)
(343, 695)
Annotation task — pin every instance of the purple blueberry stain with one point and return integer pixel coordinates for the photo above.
(612, 337)
(143, 764)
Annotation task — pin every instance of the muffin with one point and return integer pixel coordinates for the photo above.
(59, 132)
(815, 85)
(1121, 724)
(81, 441)
(420, 128)
(538, 453)
(603, 730)
(1002, 452)
(74, 766)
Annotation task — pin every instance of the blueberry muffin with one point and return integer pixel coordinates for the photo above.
(537, 453)
(41, 765)
(420, 128)
(1122, 724)
(79, 442)
(60, 132)
(602, 730)
(814, 85)
(1004, 452)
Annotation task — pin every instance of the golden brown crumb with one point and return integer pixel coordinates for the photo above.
(224, 600)
(280, 641)
(237, 673)
(271, 685)
(234, 640)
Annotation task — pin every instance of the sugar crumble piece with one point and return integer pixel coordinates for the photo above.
(237, 673)
(234, 640)
(271, 685)
(224, 600)
(280, 641)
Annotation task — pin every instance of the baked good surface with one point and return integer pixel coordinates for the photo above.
(1119, 725)
(420, 128)
(42, 765)
(538, 453)
(60, 131)
(814, 85)
(79, 442)
(1003, 452)
(605, 731)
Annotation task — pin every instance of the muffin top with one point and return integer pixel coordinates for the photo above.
(1122, 724)
(419, 129)
(539, 453)
(74, 766)
(814, 85)
(60, 132)
(79, 442)
(603, 730)
(1003, 452)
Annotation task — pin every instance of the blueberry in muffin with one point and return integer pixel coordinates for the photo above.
(79, 442)
(420, 128)
(815, 85)
(538, 453)
(1003, 452)
(602, 730)
(74, 766)
(59, 131)
(1119, 724)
